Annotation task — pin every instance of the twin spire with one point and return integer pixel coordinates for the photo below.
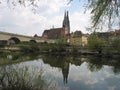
(66, 22)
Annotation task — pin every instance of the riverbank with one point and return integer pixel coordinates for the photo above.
(57, 49)
(58, 53)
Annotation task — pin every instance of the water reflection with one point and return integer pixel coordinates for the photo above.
(65, 71)
(63, 62)
(90, 72)
(75, 72)
(96, 63)
(16, 57)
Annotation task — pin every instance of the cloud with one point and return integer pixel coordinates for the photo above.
(49, 7)
(90, 78)
(79, 21)
(22, 20)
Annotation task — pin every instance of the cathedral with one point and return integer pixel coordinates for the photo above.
(56, 33)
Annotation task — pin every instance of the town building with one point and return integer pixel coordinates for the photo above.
(78, 38)
(105, 36)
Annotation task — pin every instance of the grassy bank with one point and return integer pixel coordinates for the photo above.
(50, 48)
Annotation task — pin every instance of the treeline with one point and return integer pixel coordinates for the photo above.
(111, 46)
(95, 46)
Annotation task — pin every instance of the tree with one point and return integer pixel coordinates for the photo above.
(95, 44)
(116, 45)
(22, 2)
(61, 44)
(104, 12)
(61, 41)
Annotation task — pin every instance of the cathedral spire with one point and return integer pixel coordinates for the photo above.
(65, 15)
(66, 22)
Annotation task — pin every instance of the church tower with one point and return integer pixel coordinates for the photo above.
(66, 22)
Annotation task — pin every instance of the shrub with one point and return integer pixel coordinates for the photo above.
(95, 44)
(116, 45)
(13, 78)
(30, 47)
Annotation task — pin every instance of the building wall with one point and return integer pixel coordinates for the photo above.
(76, 41)
(84, 40)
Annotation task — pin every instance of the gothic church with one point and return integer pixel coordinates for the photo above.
(56, 33)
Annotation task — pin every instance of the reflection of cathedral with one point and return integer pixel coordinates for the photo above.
(65, 71)
(63, 62)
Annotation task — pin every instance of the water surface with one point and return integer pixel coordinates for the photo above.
(76, 72)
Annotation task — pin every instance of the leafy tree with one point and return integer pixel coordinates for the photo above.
(61, 41)
(61, 44)
(116, 45)
(95, 44)
(104, 12)
(22, 2)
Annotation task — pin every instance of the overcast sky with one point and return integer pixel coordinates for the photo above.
(22, 20)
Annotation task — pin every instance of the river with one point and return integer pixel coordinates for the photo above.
(62, 72)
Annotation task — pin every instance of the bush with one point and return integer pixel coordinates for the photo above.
(95, 44)
(116, 45)
(13, 78)
(30, 47)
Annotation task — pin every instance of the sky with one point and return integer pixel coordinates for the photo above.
(27, 21)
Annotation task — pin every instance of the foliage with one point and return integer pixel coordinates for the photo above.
(95, 63)
(20, 78)
(104, 12)
(104, 9)
(29, 47)
(15, 77)
(113, 47)
(61, 44)
(61, 41)
(116, 45)
(95, 44)
(22, 2)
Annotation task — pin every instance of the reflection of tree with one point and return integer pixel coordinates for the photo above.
(62, 62)
(94, 64)
(94, 67)
(114, 62)
(15, 57)
(77, 60)
(116, 68)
